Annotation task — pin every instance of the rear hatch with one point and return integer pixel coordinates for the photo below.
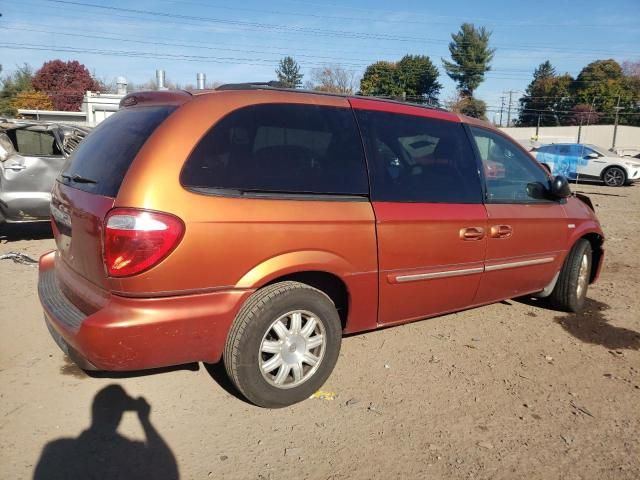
(86, 189)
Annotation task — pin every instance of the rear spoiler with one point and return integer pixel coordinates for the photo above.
(155, 97)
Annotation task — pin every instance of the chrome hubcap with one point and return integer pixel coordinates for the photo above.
(583, 277)
(292, 349)
(613, 177)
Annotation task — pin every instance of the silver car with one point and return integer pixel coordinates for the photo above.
(32, 155)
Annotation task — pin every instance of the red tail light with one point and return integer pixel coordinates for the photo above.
(136, 240)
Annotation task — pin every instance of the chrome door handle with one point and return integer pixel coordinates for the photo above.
(471, 233)
(15, 167)
(501, 231)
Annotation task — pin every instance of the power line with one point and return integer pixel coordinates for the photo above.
(279, 27)
(387, 20)
(362, 63)
(254, 61)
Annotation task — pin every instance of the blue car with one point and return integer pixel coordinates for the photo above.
(578, 161)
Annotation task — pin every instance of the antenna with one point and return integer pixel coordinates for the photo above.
(582, 153)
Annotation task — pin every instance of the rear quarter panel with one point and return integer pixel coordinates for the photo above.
(245, 243)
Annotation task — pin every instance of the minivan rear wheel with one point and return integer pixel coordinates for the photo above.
(283, 344)
(570, 291)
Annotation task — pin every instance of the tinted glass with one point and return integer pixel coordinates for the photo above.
(521, 179)
(415, 159)
(106, 153)
(281, 148)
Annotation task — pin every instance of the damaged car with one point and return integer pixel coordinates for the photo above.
(32, 155)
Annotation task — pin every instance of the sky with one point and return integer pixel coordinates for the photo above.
(243, 41)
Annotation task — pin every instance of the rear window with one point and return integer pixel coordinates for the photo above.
(280, 148)
(105, 155)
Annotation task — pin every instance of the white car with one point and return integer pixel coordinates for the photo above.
(588, 162)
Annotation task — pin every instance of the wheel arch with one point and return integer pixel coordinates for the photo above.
(323, 270)
(328, 283)
(614, 165)
(597, 253)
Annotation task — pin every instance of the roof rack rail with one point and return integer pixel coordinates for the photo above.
(276, 85)
(251, 85)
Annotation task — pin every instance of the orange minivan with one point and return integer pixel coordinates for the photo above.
(256, 226)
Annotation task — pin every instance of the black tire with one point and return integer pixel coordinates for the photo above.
(243, 355)
(614, 177)
(567, 295)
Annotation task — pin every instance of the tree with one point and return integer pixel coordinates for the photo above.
(469, 106)
(418, 77)
(583, 114)
(414, 77)
(602, 83)
(18, 81)
(545, 96)
(379, 80)
(471, 58)
(288, 73)
(332, 79)
(65, 83)
(32, 100)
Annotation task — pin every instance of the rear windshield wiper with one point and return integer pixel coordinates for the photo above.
(78, 178)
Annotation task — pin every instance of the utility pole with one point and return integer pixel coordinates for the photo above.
(510, 92)
(538, 127)
(615, 125)
(501, 108)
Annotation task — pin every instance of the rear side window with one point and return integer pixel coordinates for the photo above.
(280, 148)
(417, 159)
(106, 154)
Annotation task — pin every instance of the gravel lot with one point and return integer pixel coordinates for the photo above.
(511, 390)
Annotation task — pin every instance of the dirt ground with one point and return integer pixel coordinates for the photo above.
(511, 390)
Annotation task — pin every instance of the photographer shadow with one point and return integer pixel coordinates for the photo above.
(101, 452)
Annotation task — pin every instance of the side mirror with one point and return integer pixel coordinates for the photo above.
(591, 156)
(560, 187)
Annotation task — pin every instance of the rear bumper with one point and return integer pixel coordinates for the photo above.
(138, 333)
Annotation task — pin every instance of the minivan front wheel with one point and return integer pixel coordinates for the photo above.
(283, 344)
(570, 291)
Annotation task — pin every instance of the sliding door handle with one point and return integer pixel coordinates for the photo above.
(501, 231)
(471, 233)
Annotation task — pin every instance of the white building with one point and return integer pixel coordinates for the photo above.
(96, 107)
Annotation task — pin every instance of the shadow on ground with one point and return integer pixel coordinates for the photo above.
(71, 369)
(101, 452)
(12, 232)
(592, 326)
(218, 373)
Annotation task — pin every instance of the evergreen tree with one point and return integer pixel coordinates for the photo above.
(544, 97)
(471, 58)
(288, 73)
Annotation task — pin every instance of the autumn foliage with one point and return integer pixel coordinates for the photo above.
(65, 83)
(32, 100)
